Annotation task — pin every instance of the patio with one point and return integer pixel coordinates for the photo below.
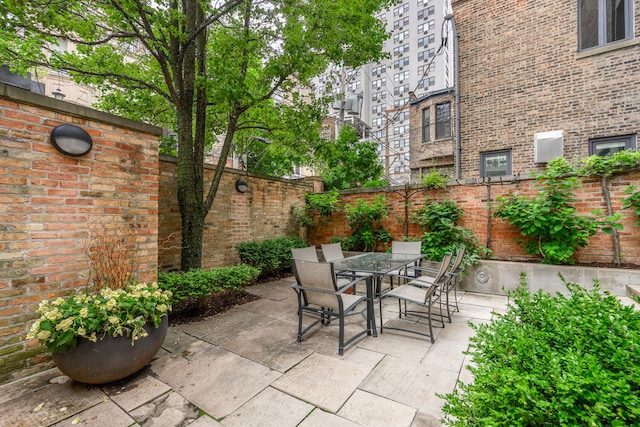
(245, 368)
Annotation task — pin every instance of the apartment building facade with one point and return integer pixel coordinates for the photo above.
(544, 79)
(377, 96)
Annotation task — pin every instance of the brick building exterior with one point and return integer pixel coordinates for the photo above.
(432, 141)
(48, 202)
(537, 70)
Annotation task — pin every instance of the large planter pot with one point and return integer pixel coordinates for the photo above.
(110, 359)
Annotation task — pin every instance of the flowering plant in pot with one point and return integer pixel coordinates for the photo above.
(110, 330)
(86, 315)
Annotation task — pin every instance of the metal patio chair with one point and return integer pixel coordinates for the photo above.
(333, 252)
(424, 296)
(400, 247)
(318, 291)
(455, 269)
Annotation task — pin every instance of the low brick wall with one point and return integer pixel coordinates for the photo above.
(495, 233)
(48, 201)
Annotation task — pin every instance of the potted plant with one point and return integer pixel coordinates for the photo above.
(102, 337)
(110, 330)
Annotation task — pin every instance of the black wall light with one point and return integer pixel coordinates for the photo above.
(241, 185)
(71, 140)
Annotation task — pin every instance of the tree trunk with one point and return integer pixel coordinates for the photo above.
(190, 148)
(604, 184)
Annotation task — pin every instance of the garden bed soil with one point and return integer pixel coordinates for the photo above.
(190, 311)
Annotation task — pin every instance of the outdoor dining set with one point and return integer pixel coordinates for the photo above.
(331, 289)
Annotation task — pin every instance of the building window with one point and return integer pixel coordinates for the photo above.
(443, 120)
(402, 102)
(426, 54)
(608, 146)
(425, 13)
(426, 125)
(602, 22)
(495, 163)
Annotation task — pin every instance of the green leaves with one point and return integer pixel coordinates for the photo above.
(548, 222)
(271, 256)
(442, 234)
(553, 360)
(365, 221)
(201, 284)
(348, 162)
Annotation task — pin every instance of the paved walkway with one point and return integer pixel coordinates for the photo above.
(245, 368)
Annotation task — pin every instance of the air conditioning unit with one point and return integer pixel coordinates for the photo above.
(548, 146)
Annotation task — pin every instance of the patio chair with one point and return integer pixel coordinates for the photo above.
(317, 289)
(454, 272)
(305, 254)
(442, 279)
(421, 296)
(333, 252)
(399, 247)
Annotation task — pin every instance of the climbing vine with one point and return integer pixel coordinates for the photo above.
(549, 223)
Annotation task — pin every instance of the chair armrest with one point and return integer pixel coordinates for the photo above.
(338, 292)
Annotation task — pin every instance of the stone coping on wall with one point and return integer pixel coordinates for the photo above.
(26, 97)
(494, 277)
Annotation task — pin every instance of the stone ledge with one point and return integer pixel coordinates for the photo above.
(494, 277)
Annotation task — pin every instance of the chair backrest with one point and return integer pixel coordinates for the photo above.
(439, 279)
(305, 254)
(458, 260)
(317, 275)
(332, 251)
(398, 247)
(443, 269)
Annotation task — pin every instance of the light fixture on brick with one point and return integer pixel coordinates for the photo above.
(241, 185)
(71, 140)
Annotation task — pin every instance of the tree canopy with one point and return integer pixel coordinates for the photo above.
(207, 69)
(348, 162)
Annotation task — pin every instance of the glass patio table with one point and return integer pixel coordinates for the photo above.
(376, 265)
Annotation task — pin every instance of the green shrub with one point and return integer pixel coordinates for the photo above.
(201, 284)
(548, 222)
(365, 221)
(271, 256)
(317, 209)
(442, 234)
(553, 361)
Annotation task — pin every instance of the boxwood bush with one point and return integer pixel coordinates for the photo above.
(553, 361)
(271, 256)
(201, 284)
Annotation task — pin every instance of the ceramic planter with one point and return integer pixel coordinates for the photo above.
(110, 359)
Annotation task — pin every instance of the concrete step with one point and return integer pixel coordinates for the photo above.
(633, 290)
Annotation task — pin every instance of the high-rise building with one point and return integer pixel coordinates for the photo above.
(376, 96)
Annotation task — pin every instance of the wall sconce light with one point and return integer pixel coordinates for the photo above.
(57, 94)
(241, 185)
(71, 140)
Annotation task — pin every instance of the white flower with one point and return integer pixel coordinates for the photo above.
(43, 335)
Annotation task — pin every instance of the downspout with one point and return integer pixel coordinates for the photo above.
(456, 69)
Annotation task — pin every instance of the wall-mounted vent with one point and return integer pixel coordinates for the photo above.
(548, 146)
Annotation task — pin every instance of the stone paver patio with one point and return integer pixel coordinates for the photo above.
(245, 368)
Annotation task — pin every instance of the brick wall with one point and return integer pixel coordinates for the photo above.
(48, 201)
(521, 73)
(495, 233)
(264, 211)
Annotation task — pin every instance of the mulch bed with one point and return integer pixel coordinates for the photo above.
(190, 311)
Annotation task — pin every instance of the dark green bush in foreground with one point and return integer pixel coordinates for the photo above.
(553, 361)
(271, 256)
(201, 284)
